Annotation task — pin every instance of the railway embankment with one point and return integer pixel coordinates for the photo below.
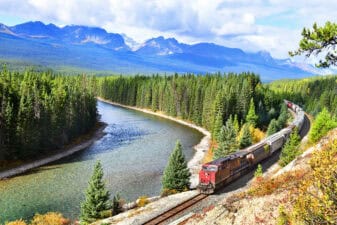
(201, 148)
(260, 203)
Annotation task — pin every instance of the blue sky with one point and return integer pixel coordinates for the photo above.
(252, 25)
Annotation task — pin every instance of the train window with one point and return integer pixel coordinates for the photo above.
(209, 168)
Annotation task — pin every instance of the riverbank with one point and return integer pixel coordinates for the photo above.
(195, 163)
(85, 141)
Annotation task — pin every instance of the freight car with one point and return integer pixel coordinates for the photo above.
(218, 173)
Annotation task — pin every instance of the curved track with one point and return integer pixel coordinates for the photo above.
(174, 211)
(306, 126)
(164, 217)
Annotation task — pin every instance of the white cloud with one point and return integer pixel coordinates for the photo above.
(272, 25)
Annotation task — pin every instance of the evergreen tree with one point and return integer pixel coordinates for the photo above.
(176, 175)
(246, 138)
(290, 149)
(42, 111)
(272, 127)
(218, 123)
(258, 172)
(251, 117)
(96, 198)
(236, 123)
(319, 40)
(227, 142)
(322, 124)
(282, 119)
(116, 204)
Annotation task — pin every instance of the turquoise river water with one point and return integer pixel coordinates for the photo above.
(134, 153)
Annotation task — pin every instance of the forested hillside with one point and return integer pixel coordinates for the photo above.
(312, 93)
(195, 98)
(234, 107)
(318, 96)
(40, 112)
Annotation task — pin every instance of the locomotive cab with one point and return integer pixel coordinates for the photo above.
(207, 178)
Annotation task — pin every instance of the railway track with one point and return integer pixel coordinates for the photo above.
(174, 211)
(306, 126)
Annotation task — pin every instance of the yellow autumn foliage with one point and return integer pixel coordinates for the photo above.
(257, 134)
(50, 218)
(16, 222)
(317, 198)
(142, 201)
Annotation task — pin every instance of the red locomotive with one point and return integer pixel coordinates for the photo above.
(222, 171)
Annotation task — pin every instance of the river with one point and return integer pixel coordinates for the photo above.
(134, 153)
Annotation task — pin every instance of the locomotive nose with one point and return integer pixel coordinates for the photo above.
(204, 177)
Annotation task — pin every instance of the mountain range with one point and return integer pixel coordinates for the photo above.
(93, 48)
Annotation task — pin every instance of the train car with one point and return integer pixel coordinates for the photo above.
(275, 141)
(222, 171)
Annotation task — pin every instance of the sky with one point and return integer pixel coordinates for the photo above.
(252, 25)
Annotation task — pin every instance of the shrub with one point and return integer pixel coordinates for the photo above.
(259, 171)
(268, 186)
(142, 201)
(283, 218)
(317, 199)
(50, 218)
(16, 222)
(117, 204)
(167, 192)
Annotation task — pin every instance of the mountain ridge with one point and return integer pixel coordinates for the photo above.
(95, 48)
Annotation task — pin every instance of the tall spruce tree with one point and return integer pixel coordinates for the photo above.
(96, 198)
(251, 117)
(227, 143)
(322, 124)
(246, 138)
(176, 175)
(218, 123)
(236, 123)
(291, 148)
(272, 127)
(283, 117)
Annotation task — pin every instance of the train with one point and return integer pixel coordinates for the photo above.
(216, 174)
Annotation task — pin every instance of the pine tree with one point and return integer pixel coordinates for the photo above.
(176, 175)
(218, 123)
(96, 198)
(236, 123)
(251, 117)
(322, 124)
(319, 41)
(246, 138)
(273, 127)
(282, 119)
(258, 172)
(290, 149)
(116, 204)
(227, 140)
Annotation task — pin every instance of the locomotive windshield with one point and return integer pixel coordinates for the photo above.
(209, 168)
